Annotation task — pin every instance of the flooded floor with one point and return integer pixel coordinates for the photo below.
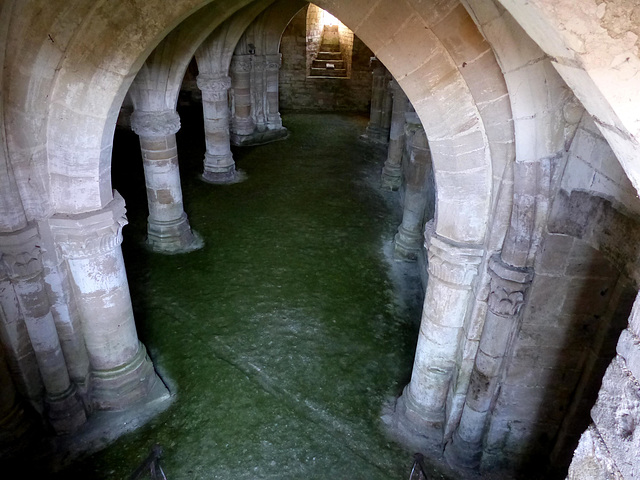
(285, 335)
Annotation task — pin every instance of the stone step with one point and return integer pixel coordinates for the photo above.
(329, 64)
(328, 72)
(322, 55)
(331, 47)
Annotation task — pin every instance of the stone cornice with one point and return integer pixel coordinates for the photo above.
(90, 234)
(155, 124)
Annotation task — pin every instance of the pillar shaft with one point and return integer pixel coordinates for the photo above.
(22, 262)
(258, 92)
(507, 293)
(168, 229)
(392, 170)
(452, 269)
(121, 371)
(380, 113)
(219, 166)
(242, 123)
(409, 239)
(273, 63)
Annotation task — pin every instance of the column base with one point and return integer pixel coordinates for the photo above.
(172, 237)
(123, 386)
(66, 412)
(408, 245)
(259, 138)
(391, 177)
(376, 135)
(274, 121)
(414, 421)
(462, 454)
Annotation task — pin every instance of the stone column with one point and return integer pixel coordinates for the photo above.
(392, 170)
(452, 269)
(242, 124)
(274, 122)
(15, 341)
(219, 166)
(168, 229)
(381, 104)
(409, 239)
(506, 296)
(120, 368)
(258, 92)
(22, 262)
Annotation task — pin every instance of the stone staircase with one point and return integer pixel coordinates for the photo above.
(329, 61)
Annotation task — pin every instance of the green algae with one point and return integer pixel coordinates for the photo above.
(282, 338)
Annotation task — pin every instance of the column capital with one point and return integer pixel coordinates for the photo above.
(274, 62)
(450, 262)
(259, 63)
(213, 83)
(241, 63)
(90, 234)
(155, 124)
(20, 253)
(507, 287)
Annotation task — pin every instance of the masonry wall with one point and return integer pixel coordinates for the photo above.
(298, 92)
(586, 279)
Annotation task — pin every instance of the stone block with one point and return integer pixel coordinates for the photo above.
(553, 256)
(546, 298)
(616, 415)
(460, 36)
(588, 297)
(409, 48)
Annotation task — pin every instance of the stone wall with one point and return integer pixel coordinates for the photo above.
(300, 92)
(586, 278)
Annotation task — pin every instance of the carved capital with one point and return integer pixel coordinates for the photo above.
(451, 263)
(508, 287)
(90, 234)
(241, 63)
(20, 253)
(259, 63)
(155, 124)
(274, 62)
(214, 87)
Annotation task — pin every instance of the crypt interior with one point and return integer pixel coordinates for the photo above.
(283, 240)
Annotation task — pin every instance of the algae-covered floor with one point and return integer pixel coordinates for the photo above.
(283, 337)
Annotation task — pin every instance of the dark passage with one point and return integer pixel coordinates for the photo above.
(285, 335)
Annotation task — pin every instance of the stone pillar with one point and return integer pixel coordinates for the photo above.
(506, 296)
(258, 92)
(452, 269)
(219, 166)
(378, 128)
(392, 170)
(274, 122)
(22, 262)
(121, 371)
(15, 341)
(242, 124)
(168, 229)
(409, 239)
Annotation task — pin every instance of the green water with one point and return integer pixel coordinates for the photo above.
(283, 337)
